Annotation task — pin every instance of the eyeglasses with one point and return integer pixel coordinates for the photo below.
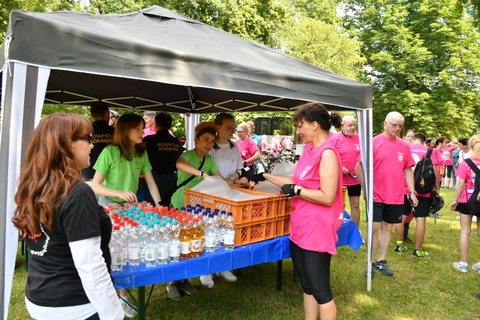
(240, 132)
(396, 125)
(231, 129)
(88, 137)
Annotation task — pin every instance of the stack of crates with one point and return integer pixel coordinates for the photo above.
(254, 219)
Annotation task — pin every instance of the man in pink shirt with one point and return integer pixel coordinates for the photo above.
(419, 150)
(348, 146)
(392, 167)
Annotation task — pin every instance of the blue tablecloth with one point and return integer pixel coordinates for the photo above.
(222, 260)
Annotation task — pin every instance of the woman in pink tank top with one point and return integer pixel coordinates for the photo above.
(317, 208)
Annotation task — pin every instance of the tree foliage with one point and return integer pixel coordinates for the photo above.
(422, 60)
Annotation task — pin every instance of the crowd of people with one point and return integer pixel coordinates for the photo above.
(73, 167)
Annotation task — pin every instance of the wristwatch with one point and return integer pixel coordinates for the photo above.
(299, 189)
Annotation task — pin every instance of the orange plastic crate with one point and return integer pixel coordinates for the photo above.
(254, 232)
(246, 211)
(282, 226)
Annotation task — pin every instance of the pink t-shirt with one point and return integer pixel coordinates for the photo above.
(466, 173)
(313, 226)
(418, 152)
(349, 148)
(447, 155)
(275, 145)
(390, 158)
(247, 149)
(287, 144)
(148, 132)
(264, 145)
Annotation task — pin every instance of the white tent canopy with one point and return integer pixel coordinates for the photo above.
(154, 59)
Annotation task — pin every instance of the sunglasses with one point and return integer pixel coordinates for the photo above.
(88, 137)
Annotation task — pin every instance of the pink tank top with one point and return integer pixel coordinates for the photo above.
(313, 226)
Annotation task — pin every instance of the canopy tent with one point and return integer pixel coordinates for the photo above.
(154, 59)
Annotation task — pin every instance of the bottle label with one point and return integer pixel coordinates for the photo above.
(117, 258)
(210, 241)
(195, 245)
(162, 252)
(229, 237)
(174, 250)
(134, 253)
(149, 254)
(184, 247)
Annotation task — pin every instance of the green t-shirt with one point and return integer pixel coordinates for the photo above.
(121, 174)
(193, 159)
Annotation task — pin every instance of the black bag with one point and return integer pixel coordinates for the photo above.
(473, 205)
(424, 174)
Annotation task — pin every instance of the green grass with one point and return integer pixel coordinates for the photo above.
(428, 288)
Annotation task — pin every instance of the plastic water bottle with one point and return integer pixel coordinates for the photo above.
(195, 239)
(151, 246)
(210, 234)
(229, 235)
(134, 239)
(222, 219)
(185, 240)
(174, 245)
(116, 249)
(163, 245)
(143, 238)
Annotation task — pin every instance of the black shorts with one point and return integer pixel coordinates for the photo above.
(448, 171)
(313, 269)
(390, 213)
(354, 191)
(462, 208)
(421, 210)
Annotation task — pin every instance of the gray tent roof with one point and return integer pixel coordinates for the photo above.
(158, 59)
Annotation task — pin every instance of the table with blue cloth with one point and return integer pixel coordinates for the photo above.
(275, 249)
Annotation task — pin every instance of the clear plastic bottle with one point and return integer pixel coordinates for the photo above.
(222, 217)
(163, 244)
(151, 244)
(174, 245)
(134, 239)
(116, 249)
(210, 234)
(143, 237)
(185, 239)
(229, 236)
(195, 239)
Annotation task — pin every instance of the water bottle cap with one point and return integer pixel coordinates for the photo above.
(134, 224)
(116, 227)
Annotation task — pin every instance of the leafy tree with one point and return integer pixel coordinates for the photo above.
(422, 60)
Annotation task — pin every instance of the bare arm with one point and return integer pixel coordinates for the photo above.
(329, 173)
(100, 189)
(253, 158)
(183, 165)
(409, 178)
(458, 190)
(152, 187)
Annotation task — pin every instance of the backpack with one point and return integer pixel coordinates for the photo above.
(424, 174)
(473, 205)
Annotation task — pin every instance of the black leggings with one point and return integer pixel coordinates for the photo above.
(313, 269)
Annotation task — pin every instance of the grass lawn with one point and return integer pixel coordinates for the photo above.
(422, 288)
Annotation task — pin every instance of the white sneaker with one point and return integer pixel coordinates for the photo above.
(476, 267)
(207, 281)
(227, 276)
(462, 266)
(130, 312)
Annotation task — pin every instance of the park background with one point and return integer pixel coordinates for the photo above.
(422, 58)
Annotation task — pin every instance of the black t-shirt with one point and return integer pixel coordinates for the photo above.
(163, 151)
(102, 137)
(53, 280)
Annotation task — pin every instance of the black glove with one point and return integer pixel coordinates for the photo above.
(257, 177)
(288, 190)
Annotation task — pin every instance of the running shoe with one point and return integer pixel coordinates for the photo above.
(207, 281)
(462, 266)
(383, 268)
(173, 292)
(476, 267)
(186, 287)
(128, 309)
(227, 276)
(419, 253)
(365, 273)
(400, 248)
